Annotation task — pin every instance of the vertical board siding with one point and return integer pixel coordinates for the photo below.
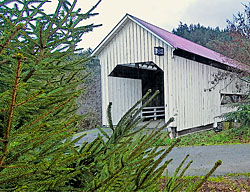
(134, 44)
(131, 44)
(123, 93)
(186, 82)
(193, 103)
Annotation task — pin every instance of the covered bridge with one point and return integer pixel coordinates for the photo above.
(136, 56)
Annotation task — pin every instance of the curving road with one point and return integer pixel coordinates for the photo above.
(235, 158)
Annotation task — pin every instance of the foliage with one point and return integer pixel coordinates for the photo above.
(230, 136)
(39, 87)
(126, 161)
(90, 100)
(242, 115)
(239, 31)
(233, 42)
(238, 49)
(200, 34)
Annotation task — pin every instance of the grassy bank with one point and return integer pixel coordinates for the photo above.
(232, 136)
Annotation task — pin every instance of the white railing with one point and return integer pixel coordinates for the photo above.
(153, 112)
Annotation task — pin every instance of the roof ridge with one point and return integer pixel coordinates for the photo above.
(187, 45)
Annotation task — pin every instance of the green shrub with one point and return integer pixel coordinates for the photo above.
(242, 115)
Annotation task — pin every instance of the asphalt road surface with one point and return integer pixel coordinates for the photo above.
(235, 158)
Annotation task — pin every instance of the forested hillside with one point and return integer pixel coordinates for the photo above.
(202, 35)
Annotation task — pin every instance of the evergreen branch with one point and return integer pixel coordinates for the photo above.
(103, 132)
(111, 126)
(35, 144)
(12, 35)
(216, 165)
(11, 112)
(51, 111)
(55, 15)
(180, 166)
(94, 7)
(3, 140)
(115, 174)
(4, 61)
(185, 169)
(64, 19)
(4, 94)
(32, 71)
(155, 175)
(150, 137)
(54, 144)
(159, 160)
(23, 102)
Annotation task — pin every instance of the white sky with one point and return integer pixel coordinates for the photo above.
(163, 13)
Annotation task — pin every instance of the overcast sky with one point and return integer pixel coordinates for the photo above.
(164, 13)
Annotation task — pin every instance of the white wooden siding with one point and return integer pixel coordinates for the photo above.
(192, 103)
(185, 81)
(123, 93)
(131, 44)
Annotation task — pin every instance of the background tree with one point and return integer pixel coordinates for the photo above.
(200, 34)
(238, 48)
(90, 100)
(233, 42)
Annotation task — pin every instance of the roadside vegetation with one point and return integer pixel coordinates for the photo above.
(228, 183)
(238, 135)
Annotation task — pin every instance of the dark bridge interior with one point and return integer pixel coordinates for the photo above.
(152, 78)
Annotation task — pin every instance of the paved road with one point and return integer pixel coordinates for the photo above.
(235, 158)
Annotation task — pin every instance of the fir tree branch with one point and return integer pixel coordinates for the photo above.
(216, 165)
(51, 111)
(115, 174)
(23, 102)
(12, 35)
(4, 61)
(32, 71)
(158, 161)
(29, 75)
(3, 140)
(12, 107)
(63, 20)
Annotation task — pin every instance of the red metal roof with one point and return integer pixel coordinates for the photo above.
(184, 44)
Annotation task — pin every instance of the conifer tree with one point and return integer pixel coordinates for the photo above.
(39, 86)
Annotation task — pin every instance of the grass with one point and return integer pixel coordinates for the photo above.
(231, 136)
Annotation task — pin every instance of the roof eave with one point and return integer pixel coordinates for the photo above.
(101, 45)
(151, 32)
(121, 23)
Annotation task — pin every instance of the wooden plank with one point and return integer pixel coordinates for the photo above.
(127, 49)
(123, 98)
(150, 47)
(137, 47)
(131, 41)
(143, 44)
(170, 79)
